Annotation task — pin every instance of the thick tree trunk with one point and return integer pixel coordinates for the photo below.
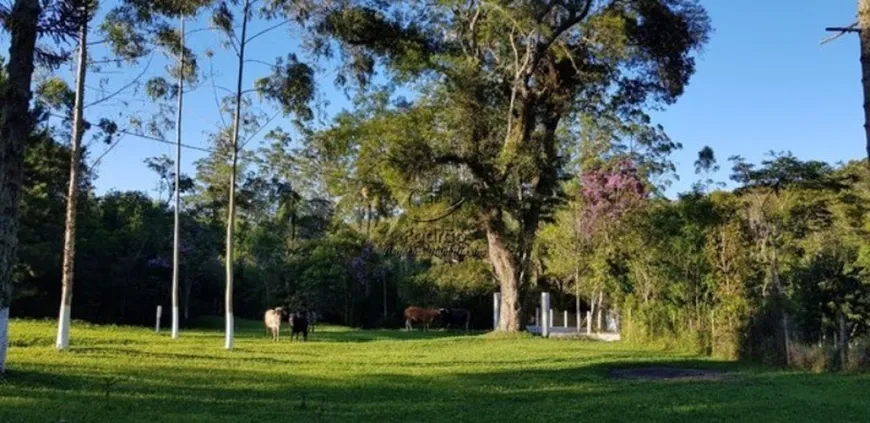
(69, 243)
(15, 127)
(508, 275)
(231, 218)
(864, 24)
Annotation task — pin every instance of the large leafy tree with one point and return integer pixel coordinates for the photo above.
(502, 90)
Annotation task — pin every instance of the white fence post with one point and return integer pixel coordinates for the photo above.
(550, 320)
(546, 313)
(496, 308)
(565, 319)
(589, 323)
(159, 314)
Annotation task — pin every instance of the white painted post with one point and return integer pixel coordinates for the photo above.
(496, 308)
(546, 313)
(159, 313)
(589, 323)
(565, 319)
(550, 320)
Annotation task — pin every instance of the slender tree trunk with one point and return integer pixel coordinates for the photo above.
(69, 243)
(508, 275)
(187, 286)
(600, 308)
(577, 298)
(177, 232)
(231, 218)
(844, 340)
(15, 128)
(384, 280)
(864, 24)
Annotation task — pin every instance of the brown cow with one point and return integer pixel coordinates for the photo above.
(420, 315)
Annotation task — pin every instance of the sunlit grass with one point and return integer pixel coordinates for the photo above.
(132, 374)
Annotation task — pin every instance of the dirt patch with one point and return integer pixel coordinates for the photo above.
(667, 373)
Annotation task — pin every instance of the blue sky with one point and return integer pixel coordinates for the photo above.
(763, 83)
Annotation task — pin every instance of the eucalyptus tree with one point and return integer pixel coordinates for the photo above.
(498, 86)
(130, 30)
(290, 83)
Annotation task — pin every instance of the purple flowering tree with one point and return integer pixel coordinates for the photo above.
(609, 193)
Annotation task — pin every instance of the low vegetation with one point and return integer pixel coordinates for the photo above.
(115, 373)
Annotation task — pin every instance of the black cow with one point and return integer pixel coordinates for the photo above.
(298, 325)
(455, 317)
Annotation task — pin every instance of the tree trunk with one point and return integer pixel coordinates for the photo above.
(187, 286)
(15, 128)
(864, 25)
(577, 298)
(231, 218)
(384, 280)
(69, 243)
(176, 235)
(508, 275)
(600, 308)
(844, 340)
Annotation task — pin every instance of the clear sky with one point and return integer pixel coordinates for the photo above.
(763, 83)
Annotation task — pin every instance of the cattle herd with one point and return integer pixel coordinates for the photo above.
(302, 322)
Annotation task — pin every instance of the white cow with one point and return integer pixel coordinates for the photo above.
(272, 319)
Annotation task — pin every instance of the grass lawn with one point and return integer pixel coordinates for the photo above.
(132, 374)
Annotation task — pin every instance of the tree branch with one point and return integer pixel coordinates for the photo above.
(450, 210)
(253, 37)
(124, 88)
(840, 32)
(143, 136)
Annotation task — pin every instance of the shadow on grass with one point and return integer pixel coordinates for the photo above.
(385, 335)
(573, 393)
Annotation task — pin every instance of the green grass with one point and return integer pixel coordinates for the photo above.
(131, 374)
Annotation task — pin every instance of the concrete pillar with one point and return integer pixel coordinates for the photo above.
(550, 320)
(159, 315)
(565, 319)
(496, 309)
(546, 313)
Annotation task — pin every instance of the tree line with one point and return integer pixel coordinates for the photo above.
(490, 146)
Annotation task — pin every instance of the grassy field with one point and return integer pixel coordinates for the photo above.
(131, 374)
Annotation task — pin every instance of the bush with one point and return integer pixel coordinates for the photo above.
(814, 358)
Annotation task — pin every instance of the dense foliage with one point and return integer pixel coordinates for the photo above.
(524, 161)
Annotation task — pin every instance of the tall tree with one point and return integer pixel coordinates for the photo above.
(126, 29)
(176, 238)
(504, 83)
(864, 25)
(69, 234)
(15, 127)
(291, 84)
